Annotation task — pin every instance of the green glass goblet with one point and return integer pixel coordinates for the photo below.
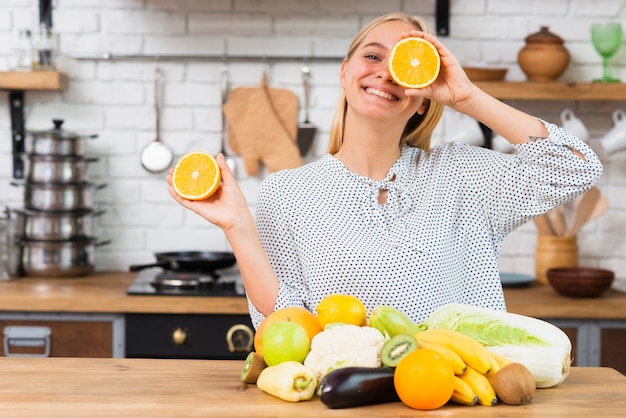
(606, 39)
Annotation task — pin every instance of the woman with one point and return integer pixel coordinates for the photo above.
(384, 217)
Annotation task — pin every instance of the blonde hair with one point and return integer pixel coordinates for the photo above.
(419, 128)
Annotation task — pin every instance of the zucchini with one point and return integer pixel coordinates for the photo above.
(356, 386)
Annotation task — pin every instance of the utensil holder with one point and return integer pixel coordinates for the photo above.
(553, 252)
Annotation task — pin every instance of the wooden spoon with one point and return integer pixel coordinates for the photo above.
(583, 210)
(598, 210)
(543, 225)
(557, 220)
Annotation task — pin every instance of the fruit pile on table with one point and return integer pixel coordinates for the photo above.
(461, 354)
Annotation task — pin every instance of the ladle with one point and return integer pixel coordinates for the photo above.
(583, 210)
(157, 156)
(232, 164)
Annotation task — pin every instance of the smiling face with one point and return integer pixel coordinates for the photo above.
(369, 88)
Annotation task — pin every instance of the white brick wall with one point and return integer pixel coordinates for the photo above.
(116, 99)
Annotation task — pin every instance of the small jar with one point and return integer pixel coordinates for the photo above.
(24, 51)
(544, 57)
(45, 48)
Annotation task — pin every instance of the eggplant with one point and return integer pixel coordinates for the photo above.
(357, 386)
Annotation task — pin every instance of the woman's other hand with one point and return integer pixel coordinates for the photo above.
(224, 207)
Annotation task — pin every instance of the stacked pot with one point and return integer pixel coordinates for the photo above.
(55, 230)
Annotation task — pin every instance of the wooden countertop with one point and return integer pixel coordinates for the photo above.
(105, 292)
(68, 387)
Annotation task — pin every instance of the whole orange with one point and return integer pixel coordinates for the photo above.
(337, 307)
(424, 379)
(292, 313)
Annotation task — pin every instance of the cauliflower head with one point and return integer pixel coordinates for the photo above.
(343, 346)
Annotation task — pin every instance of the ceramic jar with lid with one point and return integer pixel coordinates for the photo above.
(544, 57)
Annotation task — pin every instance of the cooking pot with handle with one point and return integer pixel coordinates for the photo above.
(56, 141)
(57, 168)
(59, 196)
(69, 258)
(55, 225)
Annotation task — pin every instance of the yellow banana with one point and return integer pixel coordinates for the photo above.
(502, 361)
(471, 351)
(457, 363)
(495, 365)
(481, 386)
(463, 393)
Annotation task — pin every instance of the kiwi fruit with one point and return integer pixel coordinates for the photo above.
(396, 348)
(252, 367)
(514, 384)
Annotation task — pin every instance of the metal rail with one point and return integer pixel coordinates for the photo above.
(106, 56)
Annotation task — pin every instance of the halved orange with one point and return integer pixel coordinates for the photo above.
(414, 63)
(196, 176)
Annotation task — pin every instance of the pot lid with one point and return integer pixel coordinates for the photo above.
(544, 36)
(59, 133)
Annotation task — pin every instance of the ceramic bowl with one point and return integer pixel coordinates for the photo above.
(582, 282)
(485, 74)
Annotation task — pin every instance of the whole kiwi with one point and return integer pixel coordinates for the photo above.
(514, 384)
(396, 348)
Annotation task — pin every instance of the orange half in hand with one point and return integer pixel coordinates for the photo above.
(414, 63)
(196, 176)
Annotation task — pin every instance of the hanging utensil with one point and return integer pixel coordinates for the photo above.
(583, 210)
(156, 157)
(556, 218)
(598, 210)
(306, 130)
(543, 225)
(232, 164)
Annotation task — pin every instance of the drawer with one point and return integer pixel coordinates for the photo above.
(216, 337)
(67, 338)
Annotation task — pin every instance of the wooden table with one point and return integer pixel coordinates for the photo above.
(70, 387)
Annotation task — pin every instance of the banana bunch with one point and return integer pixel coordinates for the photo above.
(473, 365)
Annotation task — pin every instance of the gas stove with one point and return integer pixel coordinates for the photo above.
(158, 281)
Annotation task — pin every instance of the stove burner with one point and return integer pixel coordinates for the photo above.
(156, 281)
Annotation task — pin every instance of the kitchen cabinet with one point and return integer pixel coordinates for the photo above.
(71, 335)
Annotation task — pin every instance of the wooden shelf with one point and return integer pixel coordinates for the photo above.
(32, 80)
(557, 90)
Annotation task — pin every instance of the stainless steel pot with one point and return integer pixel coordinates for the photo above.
(54, 226)
(57, 169)
(56, 141)
(72, 258)
(59, 196)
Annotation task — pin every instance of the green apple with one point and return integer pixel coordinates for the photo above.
(285, 341)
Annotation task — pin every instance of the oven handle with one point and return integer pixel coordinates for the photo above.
(239, 338)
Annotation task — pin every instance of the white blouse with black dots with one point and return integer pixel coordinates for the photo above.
(436, 240)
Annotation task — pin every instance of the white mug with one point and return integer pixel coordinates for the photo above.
(467, 130)
(615, 139)
(571, 123)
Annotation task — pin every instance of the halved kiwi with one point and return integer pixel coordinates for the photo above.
(396, 348)
(252, 367)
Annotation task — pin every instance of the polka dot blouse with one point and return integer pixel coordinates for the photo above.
(437, 238)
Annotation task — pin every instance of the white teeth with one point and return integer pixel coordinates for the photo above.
(382, 94)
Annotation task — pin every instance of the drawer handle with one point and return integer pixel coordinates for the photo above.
(26, 336)
(239, 338)
(179, 336)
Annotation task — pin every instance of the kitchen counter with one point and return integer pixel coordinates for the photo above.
(68, 387)
(105, 292)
